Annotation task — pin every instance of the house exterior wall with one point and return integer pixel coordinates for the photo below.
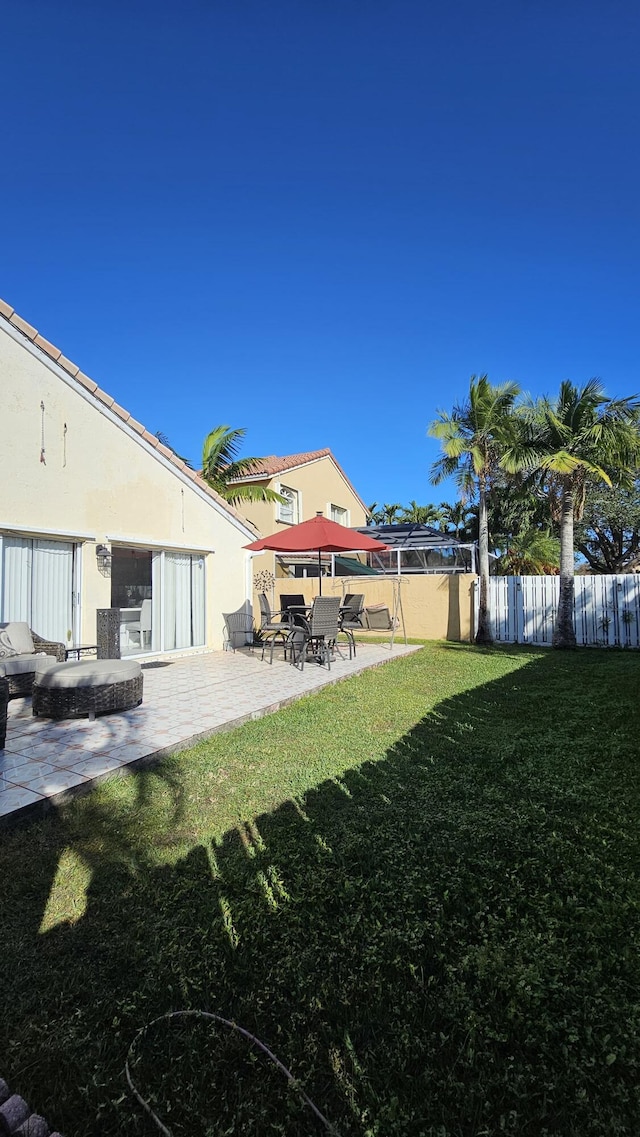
(99, 479)
(320, 484)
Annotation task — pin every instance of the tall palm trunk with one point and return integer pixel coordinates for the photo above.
(483, 635)
(564, 635)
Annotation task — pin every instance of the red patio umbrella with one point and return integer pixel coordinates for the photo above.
(319, 535)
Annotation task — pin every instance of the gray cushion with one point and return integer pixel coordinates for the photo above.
(6, 649)
(19, 636)
(22, 664)
(91, 673)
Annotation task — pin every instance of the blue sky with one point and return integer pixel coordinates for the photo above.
(318, 219)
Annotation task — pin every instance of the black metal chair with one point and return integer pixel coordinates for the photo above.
(351, 618)
(317, 636)
(272, 629)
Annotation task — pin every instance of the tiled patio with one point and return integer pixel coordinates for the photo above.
(184, 701)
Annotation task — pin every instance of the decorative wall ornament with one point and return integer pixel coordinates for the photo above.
(264, 581)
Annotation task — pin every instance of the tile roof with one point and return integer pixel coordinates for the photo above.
(103, 397)
(273, 464)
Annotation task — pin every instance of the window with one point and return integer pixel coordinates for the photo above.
(337, 513)
(289, 511)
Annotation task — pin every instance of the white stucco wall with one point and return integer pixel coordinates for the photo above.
(100, 479)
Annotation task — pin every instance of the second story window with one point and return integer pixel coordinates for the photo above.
(337, 513)
(289, 510)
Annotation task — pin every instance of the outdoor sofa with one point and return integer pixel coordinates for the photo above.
(22, 653)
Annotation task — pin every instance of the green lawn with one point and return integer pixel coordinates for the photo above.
(419, 887)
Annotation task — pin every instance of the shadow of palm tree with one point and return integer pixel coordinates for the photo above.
(440, 942)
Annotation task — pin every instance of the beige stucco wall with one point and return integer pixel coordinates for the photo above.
(99, 478)
(436, 607)
(320, 485)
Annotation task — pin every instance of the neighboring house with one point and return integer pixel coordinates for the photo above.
(310, 483)
(95, 513)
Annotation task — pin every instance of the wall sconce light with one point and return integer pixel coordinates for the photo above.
(103, 557)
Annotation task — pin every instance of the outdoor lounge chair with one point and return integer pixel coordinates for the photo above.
(319, 634)
(22, 653)
(351, 618)
(272, 629)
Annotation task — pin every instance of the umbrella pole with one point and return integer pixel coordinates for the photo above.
(320, 572)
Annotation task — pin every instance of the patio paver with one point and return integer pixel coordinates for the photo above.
(185, 700)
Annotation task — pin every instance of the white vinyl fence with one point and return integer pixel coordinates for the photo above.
(606, 609)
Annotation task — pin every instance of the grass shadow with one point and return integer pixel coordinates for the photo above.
(440, 941)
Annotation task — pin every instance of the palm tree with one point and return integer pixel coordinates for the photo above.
(458, 515)
(421, 514)
(531, 553)
(389, 513)
(473, 438)
(221, 465)
(581, 435)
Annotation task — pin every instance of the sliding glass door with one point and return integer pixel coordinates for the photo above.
(183, 601)
(132, 593)
(161, 597)
(37, 585)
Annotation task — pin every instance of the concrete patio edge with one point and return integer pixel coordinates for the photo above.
(41, 808)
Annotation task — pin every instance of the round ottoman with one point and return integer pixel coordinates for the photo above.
(70, 690)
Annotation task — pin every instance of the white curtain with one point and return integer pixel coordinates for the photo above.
(169, 602)
(197, 600)
(15, 600)
(51, 590)
(37, 585)
(177, 601)
(156, 602)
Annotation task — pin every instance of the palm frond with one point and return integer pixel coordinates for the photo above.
(444, 467)
(221, 448)
(221, 465)
(250, 492)
(161, 436)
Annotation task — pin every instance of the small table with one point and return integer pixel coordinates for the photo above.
(76, 651)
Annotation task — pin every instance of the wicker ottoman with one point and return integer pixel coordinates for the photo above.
(90, 687)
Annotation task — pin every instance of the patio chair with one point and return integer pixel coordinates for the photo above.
(272, 629)
(142, 627)
(319, 634)
(292, 600)
(351, 618)
(22, 653)
(238, 629)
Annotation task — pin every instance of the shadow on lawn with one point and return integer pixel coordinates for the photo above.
(439, 943)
